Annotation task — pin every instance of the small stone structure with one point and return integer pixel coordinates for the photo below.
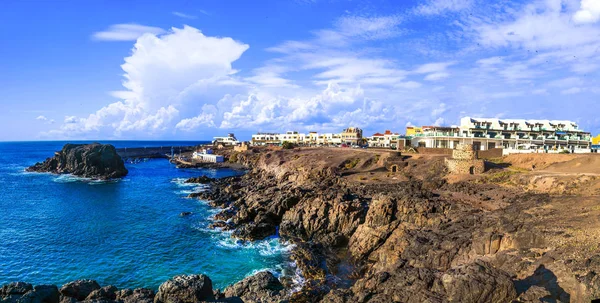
(465, 160)
(241, 148)
(395, 163)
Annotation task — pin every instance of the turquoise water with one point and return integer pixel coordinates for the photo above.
(128, 233)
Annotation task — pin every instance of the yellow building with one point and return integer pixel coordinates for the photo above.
(596, 140)
(412, 131)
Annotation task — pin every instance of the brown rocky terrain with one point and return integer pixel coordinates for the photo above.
(375, 226)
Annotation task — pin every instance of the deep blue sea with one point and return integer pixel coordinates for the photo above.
(128, 233)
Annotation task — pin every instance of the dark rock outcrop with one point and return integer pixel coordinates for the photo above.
(96, 161)
(200, 180)
(262, 287)
(185, 289)
(138, 295)
(79, 289)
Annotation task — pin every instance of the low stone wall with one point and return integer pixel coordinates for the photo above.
(490, 153)
(482, 154)
(434, 151)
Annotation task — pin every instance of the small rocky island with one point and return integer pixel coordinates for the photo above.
(96, 161)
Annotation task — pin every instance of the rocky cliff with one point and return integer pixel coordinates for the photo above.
(97, 161)
(366, 234)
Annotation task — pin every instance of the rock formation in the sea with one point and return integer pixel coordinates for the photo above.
(97, 161)
(200, 180)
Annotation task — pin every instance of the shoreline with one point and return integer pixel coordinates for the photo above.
(367, 223)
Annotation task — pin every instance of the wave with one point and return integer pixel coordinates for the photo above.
(267, 247)
(68, 178)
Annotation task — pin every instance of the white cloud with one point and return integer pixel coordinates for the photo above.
(126, 32)
(70, 119)
(372, 28)
(41, 117)
(436, 76)
(433, 67)
(183, 15)
(435, 7)
(436, 71)
(166, 77)
(571, 91)
(541, 91)
(191, 124)
(408, 84)
(589, 12)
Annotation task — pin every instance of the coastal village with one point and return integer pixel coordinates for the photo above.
(509, 135)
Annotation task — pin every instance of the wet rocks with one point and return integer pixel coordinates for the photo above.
(79, 289)
(96, 161)
(185, 289)
(107, 292)
(141, 295)
(262, 287)
(254, 231)
(200, 180)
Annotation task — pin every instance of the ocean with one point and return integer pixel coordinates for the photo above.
(128, 233)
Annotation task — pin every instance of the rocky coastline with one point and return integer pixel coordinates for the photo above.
(418, 238)
(363, 233)
(179, 289)
(95, 161)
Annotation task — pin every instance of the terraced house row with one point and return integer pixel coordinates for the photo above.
(349, 136)
(512, 135)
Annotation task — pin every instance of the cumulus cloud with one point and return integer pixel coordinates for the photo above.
(184, 81)
(165, 77)
(126, 32)
(589, 12)
(435, 7)
(41, 117)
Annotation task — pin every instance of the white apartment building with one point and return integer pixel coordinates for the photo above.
(510, 134)
(229, 140)
(349, 136)
(387, 139)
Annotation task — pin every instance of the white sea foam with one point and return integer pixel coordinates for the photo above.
(267, 247)
(68, 178)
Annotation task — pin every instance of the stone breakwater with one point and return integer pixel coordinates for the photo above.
(179, 289)
(96, 161)
(418, 239)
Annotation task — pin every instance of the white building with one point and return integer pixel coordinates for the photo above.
(206, 155)
(310, 139)
(229, 140)
(514, 135)
(387, 139)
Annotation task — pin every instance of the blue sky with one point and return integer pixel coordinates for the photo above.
(196, 69)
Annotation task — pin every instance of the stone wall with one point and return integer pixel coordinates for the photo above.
(482, 154)
(457, 166)
(490, 153)
(434, 151)
(465, 161)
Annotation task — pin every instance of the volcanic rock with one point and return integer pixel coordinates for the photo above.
(262, 287)
(185, 289)
(79, 289)
(96, 161)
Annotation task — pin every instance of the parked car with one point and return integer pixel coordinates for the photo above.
(344, 145)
